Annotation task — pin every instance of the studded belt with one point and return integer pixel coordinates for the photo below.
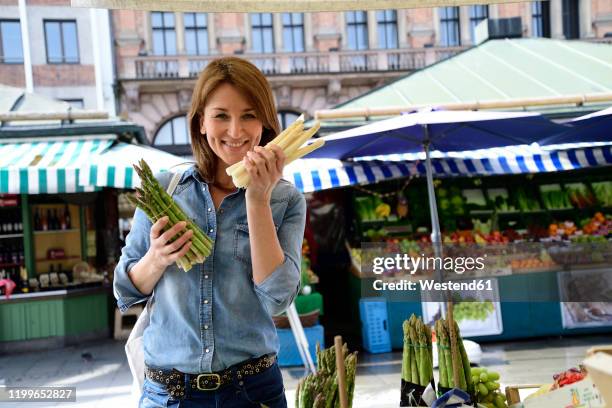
(175, 381)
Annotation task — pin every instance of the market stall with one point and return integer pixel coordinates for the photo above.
(59, 230)
(492, 196)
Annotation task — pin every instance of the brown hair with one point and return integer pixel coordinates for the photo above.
(250, 82)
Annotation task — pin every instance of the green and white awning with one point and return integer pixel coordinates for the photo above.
(45, 166)
(66, 165)
(113, 168)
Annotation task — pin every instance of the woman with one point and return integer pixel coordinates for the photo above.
(211, 341)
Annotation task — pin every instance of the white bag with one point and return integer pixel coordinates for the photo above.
(134, 347)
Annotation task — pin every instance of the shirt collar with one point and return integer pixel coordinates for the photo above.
(190, 172)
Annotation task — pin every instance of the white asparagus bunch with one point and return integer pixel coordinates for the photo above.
(290, 140)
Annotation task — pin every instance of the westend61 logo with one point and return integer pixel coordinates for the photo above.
(411, 265)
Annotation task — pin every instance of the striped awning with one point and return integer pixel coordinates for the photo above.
(113, 167)
(310, 175)
(47, 166)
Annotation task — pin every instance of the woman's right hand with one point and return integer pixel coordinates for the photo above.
(164, 253)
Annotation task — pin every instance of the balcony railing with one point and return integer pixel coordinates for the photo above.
(189, 66)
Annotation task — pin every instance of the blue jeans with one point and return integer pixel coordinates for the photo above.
(263, 389)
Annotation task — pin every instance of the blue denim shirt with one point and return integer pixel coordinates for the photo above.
(214, 316)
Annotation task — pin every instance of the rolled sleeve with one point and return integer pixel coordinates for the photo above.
(281, 287)
(136, 246)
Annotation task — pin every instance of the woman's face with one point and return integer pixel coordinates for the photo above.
(230, 124)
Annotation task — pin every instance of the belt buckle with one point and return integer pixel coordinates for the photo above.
(216, 376)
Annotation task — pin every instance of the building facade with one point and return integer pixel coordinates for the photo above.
(52, 49)
(313, 60)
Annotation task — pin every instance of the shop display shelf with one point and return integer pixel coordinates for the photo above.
(60, 231)
(10, 265)
(58, 259)
(11, 236)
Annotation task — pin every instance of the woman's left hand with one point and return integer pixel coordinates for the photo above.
(265, 168)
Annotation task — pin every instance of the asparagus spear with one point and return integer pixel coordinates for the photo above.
(466, 362)
(441, 356)
(456, 356)
(414, 362)
(406, 354)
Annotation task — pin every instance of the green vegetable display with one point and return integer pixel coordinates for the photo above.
(320, 390)
(487, 388)
(156, 203)
(470, 309)
(417, 361)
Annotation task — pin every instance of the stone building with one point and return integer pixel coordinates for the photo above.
(52, 49)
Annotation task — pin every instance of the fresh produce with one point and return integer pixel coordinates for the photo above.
(471, 309)
(450, 357)
(417, 361)
(320, 390)
(554, 197)
(157, 203)
(562, 379)
(599, 225)
(568, 377)
(526, 202)
(290, 141)
(371, 208)
(579, 195)
(603, 192)
(486, 388)
(544, 260)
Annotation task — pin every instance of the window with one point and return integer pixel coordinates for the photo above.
(173, 132)
(386, 21)
(61, 41)
(75, 103)
(477, 14)
(286, 118)
(540, 19)
(196, 33)
(571, 25)
(10, 42)
(357, 30)
(262, 33)
(449, 27)
(293, 32)
(164, 33)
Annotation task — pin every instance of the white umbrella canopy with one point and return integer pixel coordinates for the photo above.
(247, 6)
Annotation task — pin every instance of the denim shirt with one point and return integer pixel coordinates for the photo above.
(215, 316)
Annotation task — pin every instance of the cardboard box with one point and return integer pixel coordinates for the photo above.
(582, 394)
(599, 366)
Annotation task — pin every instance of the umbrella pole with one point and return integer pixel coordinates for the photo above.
(433, 207)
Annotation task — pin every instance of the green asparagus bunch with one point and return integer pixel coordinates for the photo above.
(417, 362)
(156, 203)
(447, 360)
(320, 390)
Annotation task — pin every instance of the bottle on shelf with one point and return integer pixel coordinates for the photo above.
(44, 222)
(67, 217)
(23, 279)
(37, 226)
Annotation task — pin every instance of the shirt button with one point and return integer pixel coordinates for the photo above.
(211, 230)
(207, 350)
(221, 211)
(241, 383)
(205, 276)
(209, 209)
(206, 301)
(205, 327)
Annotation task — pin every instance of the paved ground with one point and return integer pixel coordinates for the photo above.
(102, 377)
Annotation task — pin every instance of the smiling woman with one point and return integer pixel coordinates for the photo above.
(253, 271)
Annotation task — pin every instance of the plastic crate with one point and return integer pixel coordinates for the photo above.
(374, 325)
(289, 355)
